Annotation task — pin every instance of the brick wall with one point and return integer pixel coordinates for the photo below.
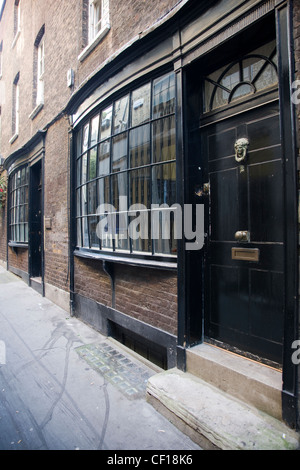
(18, 258)
(56, 205)
(92, 282)
(148, 295)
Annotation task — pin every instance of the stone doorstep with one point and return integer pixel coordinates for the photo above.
(249, 381)
(212, 418)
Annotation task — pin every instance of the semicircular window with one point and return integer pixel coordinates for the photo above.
(251, 74)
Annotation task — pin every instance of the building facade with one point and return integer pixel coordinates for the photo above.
(151, 153)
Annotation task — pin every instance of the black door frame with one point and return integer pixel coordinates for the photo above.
(38, 286)
(186, 282)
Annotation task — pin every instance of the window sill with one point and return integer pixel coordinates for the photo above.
(36, 111)
(14, 137)
(146, 263)
(18, 245)
(102, 33)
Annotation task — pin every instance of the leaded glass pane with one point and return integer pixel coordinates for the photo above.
(140, 105)
(139, 146)
(164, 95)
(164, 140)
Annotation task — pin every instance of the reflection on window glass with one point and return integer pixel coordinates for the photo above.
(140, 187)
(19, 206)
(94, 131)
(140, 105)
(164, 184)
(139, 146)
(104, 158)
(164, 141)
(106, 119)
(119, 153)
(93, 163)
(122, 164)
(85, 138)
(121, 115)
(164, 96)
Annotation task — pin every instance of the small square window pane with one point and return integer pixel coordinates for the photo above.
(104, 158)
(139, 146)
(94, 240)
(103, 191)
(164, 140)
(85, 138)
(119, 153)
(79, 242)
(164, 184)
(92, 198)
(84, 169)
(93, 163)
(94, 131)
(164, 95)
(140, 187)
(140, 105)
(105, 126)
(121, 114)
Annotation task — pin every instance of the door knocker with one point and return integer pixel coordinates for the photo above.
(241, 148)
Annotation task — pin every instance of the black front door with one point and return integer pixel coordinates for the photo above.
(35, 223)
(245, 252)
(242, 166)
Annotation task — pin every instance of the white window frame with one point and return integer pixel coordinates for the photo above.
(98, 25)
(40, 73)
(17, 17)
(95, 18)
(15, 110)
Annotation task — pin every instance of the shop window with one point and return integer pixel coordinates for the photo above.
(126, 166)
(18, 209)
(251, 74)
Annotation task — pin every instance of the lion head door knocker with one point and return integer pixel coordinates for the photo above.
(241, 150)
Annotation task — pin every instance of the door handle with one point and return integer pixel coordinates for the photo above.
(205, 191)
(242, 236)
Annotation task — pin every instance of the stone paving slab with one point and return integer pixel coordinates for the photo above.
(129, 377)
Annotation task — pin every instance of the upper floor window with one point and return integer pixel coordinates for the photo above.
(126, 173)
(15, 107)
(95, 24)
(94, 18)
(38, 72)
(17, 20)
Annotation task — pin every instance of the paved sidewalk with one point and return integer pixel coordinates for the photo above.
(63, 386)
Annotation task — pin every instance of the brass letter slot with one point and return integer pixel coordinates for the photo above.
(245, 254)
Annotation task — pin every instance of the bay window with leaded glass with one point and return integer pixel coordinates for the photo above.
(126, 160)
(18, 210)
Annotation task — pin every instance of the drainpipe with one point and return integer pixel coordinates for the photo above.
(108, 268)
